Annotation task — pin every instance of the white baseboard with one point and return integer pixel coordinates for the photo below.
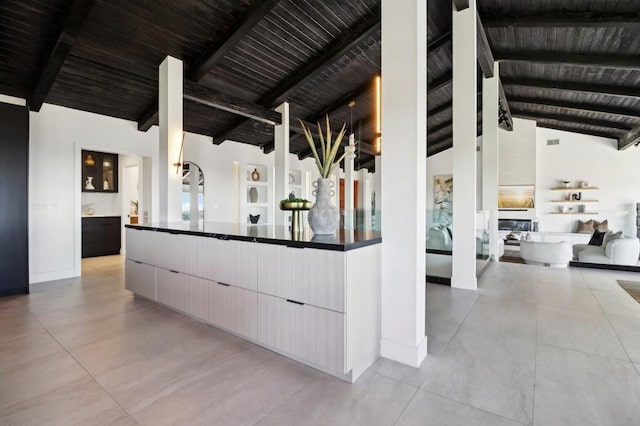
(403, 353)
(52, 276)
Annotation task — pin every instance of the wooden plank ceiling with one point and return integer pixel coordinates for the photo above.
(569, 65)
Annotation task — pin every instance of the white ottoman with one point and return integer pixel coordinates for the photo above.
(553, 254)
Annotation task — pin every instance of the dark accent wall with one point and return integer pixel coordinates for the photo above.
(14, 199)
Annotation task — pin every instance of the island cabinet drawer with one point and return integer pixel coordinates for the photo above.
(177, 252)
(234, 309)
(174, 289)
(227, 261)
(140, 278)
(311, 276)
(144, 246)
(305, 332)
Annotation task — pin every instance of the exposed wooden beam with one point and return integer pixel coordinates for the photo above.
(618, 91)
(311, 69)
(236, 32)
(566, 118)
(582, 131)
(505, 120)
(203, 95)
(440, 82)
(554, 58)
(485, 57)
(632, 138)
(461, 4)
(577, 106)
(148, 118)
(437, 128)
(344, 100)
(439, 42)
(565, 20)
(369, 164)
(76, 15)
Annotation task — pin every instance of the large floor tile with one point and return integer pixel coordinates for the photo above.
(567, 297)
(617, 302)
(588, 332)
(83, 402)
(427, 408)
(27, 347)
(240, 390)
(447, 307)
(506, 317)
(565, 277)
(373, 400)
(488, 371)
(628, 330)
(573, 388)
(512, 287)
(36, 377)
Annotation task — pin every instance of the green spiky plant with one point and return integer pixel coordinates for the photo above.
(325, 160)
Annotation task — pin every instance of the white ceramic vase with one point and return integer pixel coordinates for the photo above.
(324, 217)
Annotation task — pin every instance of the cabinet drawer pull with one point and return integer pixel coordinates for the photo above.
(226, 285)
(139, 263)
(295, 301)
(174, 271)
(295, 247)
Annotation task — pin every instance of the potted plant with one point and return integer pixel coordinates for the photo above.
(324, 216)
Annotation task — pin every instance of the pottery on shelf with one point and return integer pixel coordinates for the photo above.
(105, 185)
(324, 217)
(253, 194)
(255, 175)
(254, 218)
(89, 184)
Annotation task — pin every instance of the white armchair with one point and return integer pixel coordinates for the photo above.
(556, 254)
(623, 251)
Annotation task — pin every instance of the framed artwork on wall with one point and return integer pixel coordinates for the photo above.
(516, 196)
(443, 199)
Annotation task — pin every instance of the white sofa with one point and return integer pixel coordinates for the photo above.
(557, 254)
(623, 251)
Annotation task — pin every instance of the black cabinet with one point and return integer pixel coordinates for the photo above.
(99, 172)
(101, 236)
(14, 199)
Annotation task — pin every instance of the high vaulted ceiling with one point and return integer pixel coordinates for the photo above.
(568, 64)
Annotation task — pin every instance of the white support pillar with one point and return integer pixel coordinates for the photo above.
(170, 116)
(404, 145)
(364, 196)
(490, 135)
(281, 178)
(194, 190)
(376, 201)
(464, 147)
(349, 182)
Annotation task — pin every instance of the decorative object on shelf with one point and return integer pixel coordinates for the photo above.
(292, 195)
(253, 194)
(566, 183)
(581, 208)
(255, 175)
(89, 161)
(105, 185)
(254, 218)
(324, 216)
(89, 184)
(563, 209)
(584, 184)
(292, 178)
(534, 225)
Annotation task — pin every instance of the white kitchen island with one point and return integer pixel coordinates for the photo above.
(312, 299)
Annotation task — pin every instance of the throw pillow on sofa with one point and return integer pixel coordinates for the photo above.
(611, 236)
(585, 227)
(597, 238)
(602, 226)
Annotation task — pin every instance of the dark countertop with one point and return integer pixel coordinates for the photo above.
(342, 240)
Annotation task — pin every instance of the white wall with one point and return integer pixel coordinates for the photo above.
(597, 161)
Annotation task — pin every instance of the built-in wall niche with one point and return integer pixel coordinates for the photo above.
(257, 173)
(99, 172)
(295, 183)
(256, 194)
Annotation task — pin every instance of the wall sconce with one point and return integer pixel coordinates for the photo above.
(378, 119)
(178, 164)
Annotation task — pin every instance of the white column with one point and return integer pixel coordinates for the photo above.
(404, 130)
(490, 134)
(194, 189)
(170, 122)
(281, 178)
(349, 182)
(464, 147)
(365, 197)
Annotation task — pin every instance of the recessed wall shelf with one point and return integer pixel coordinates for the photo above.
(574, 201)
(574, 188)
(592, 213)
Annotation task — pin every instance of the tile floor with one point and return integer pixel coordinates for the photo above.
(532, 346)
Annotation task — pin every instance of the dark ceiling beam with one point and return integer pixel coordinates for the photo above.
(632, 138)
(577, 106)
(369, 164)
(343, 101)
(437, 128)
(206, 96)
(236, 32)
(338, 48)
(440, 82)
(618, 91)
(566, 118)
(439, 42)
(554, 58)
(461, 4)
(565, 20)
(582, 131)
(76, 15)
(485, 57)
(505, 119)
(196, 72)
